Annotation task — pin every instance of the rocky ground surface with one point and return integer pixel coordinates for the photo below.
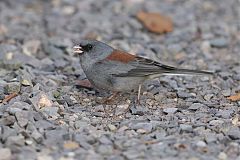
(46, 115)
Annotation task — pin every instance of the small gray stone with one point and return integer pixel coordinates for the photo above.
(222, 156)
(13, 87)
(81, 124)
(51, 111)
(138, 109)
(105, 140)
(146, 127)
(7, 132)
(56, 136)
(195, 106)
(226, 92)
(7, 121)
(27, 153)
(133, 154)
(15, 140)
(12, 111)
(159, 135)
(175, 48)
(121, 109)
(4, 48)
(84, 141)
(99, 108)
(112, 127)
(93, 156)
(219, 42)
(43, 124)
(208, 97)
(201, 144)
(115, 157)
(31, 47)
(210, 138)
(186, 127)
(216, 122)
(22, 118)
(105, 149)
(225, 113)
(182, 94)
(37, 136)
(234, 133)
(44, 157)
(5, 154)
(170, 110)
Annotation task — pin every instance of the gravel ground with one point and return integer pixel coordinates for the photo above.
(49, 116)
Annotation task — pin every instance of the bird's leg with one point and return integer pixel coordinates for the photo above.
(139, 93)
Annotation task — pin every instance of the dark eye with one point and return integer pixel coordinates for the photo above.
(87, 47)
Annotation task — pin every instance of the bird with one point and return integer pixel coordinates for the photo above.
(115, 70)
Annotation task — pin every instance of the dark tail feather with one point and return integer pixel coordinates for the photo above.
(186, 72)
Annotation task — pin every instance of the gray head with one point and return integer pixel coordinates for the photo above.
(92, 49)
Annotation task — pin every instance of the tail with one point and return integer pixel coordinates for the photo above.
(176, 71)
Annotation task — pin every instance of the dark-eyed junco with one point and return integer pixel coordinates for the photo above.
(118, 71)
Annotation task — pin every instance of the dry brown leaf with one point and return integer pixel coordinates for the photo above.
(235, 97)
(155, 22)
(71, 145)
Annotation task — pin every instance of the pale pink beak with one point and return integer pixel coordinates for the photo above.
(77, 49)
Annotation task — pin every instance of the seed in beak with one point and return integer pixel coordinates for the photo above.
(77, 49)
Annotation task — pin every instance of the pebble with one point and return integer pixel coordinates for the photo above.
(51, 112)
(222, 156)
(15, 140)
(7, 132)
(5, 154)
(13, 87)
(234, 133)
(226, 93)
(37, 136)
(195, 106)
(201, 144)
(112, 127)
(44, 157)
(142, 127)
(138, 109)
(31, 47)
(182, 94)
(29, 142)
(170, 110)
(120, 109)
(219, 42)
(208, 97)
(216, 122)
(22, 118)
(7, 121)
(226, 114)
(186, 127)
(105, 140)
(133, 154)
(210, 138)
(18, 106)
(105, 149)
